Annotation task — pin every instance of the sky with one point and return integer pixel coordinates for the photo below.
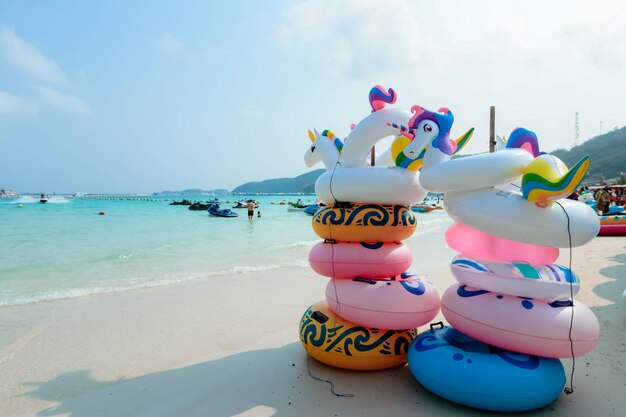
(132, 96)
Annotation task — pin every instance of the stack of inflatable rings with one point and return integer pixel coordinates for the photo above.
(511, 296)
(372, 305)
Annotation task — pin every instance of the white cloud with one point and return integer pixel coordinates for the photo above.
(170, 45)
(15, 105)
(62, 101)
(346, 37)
(28, 57)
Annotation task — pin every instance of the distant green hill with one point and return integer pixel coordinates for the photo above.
(304, 183)
(607, 152)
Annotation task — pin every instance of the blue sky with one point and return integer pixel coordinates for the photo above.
(128, 96)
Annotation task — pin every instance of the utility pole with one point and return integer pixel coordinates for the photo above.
(576, 130)
(492, 129)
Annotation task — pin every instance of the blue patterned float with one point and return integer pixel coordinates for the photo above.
(466, 371)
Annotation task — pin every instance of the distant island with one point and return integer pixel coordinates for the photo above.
(304, 183)
(192, 192)
(607, 151)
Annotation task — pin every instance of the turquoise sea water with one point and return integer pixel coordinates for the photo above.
(65, 249)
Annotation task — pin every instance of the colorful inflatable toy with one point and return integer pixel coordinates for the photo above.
(521, 325)
(325, 148)
(350, 260)
(542, 282)
(467, 371)
(364, 223)
(477, 244)
(337, 342)
(402, 302)
(509, 215)
(613, 225)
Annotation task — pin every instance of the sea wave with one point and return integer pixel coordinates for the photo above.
(26, 199)
(141, 283)
(301, 244)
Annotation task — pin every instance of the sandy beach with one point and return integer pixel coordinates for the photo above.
(228, 346)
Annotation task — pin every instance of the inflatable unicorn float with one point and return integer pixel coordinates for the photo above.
(513, 311)
(511, 297)
(372, 303)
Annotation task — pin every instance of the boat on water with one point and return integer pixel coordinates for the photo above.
(313, 208)
(197, 206)
(43, 199)
(244, 204)
(183, 202)
(215, 210)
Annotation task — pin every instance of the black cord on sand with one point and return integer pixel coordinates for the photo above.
(570, 389)
(308, 360)
(331, 383)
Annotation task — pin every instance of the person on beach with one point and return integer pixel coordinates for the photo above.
(250, 207)
(259, 213)
(604, 201)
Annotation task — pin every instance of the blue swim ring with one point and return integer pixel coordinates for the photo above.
(469, 372)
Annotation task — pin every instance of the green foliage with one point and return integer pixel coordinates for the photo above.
(607, 152)
(304, 183)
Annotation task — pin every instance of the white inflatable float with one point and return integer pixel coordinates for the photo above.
(476, 172)
(380, 185)
(511, 216)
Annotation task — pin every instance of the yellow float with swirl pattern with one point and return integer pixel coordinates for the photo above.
(343, 344)
(364, 223)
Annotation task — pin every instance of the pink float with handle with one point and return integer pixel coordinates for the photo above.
(403, 302)
(351, 260)
(521, 325)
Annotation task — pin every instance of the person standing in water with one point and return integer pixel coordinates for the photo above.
(250, 207)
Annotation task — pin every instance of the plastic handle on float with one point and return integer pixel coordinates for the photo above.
(439, 323)
(366, 280)
(319, 317)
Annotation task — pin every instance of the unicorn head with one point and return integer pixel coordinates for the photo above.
(425, 130)
(325, 147)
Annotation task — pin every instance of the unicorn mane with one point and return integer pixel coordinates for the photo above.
(379, 98)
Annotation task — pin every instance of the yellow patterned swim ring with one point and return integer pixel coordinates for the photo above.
(365, 223)
(343, 344)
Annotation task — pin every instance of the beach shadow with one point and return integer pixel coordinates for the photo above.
(613, 289)
(266, 382)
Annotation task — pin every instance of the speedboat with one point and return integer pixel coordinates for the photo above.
(215, 210)
(43, 199)
(214, 201)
